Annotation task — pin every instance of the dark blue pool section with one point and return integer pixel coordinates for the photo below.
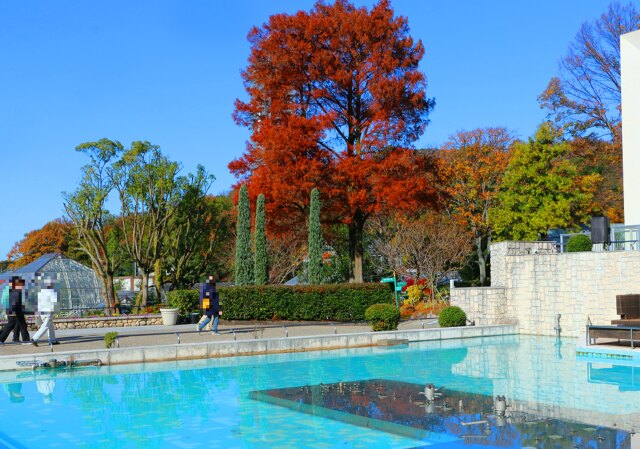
(450, 419)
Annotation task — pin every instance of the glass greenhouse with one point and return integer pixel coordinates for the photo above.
(78, 286)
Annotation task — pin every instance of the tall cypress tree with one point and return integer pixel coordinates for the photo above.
(261, 267)
(244, 259)
(314, 268)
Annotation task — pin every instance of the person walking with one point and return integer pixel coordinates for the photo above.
(5, 310)
(21, 329)
(47, 301)
(15, 311)
(210, 305)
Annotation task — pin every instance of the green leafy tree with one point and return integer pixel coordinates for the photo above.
(244, 258)
(542, 189)
(260, 245)
(200, 242)
(188, 231)
(217, 253)
(94, 224)
(314, 269)
(150, 190)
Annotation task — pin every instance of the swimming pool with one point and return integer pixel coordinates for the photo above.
(354, 398)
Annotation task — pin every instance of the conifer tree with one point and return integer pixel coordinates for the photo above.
(261, 267)
(542, 190)
(314, 269)
(244, 259)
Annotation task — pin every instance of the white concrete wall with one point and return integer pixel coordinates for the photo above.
(530, 286)
(630, 68)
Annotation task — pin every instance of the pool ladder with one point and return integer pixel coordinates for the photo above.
(558, 329)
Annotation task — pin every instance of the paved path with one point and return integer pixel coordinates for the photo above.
(136, 336)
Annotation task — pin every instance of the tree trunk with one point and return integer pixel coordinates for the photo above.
(356, 248)
(112, 301)
(158, 277)
(144, 288)
(482, 260)
(108, 290)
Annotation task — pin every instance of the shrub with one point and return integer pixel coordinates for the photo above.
(186, 301)
(579, 243)
(422, 309)
(152, 309)
(335, 302)
(382, 317)
(452, 316)
(415, 294)
(110, 339)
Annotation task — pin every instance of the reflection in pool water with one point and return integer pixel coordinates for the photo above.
(553, 401)
(408, 409)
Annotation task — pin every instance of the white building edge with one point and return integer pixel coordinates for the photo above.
(630, 71)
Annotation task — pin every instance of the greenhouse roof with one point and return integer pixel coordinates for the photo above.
(77, 285)
(32, 267)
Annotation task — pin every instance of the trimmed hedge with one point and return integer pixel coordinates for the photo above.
(334, 302)
(187, 301)
(382, 317)
(579, 243)
(452, 316)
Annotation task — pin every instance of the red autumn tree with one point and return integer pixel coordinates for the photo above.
(335, 102)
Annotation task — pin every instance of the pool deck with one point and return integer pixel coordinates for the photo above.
(140, 344)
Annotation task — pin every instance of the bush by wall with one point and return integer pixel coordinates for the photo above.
(186, 301)
(579, 243)
(382, 317)
(452, 316)
(335, 302)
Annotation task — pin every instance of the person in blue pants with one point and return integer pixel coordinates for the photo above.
(210, 305)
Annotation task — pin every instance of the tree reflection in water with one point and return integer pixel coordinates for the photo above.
(400, 408)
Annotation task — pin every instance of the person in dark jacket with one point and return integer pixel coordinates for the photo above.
(21, 327)
(210, 304)
(15, 311)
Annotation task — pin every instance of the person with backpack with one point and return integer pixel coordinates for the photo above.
(210, 305)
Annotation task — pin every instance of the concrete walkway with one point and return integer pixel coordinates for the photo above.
(72, 340)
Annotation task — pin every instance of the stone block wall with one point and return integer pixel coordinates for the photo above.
(98, 322)
(486, 305)
(538, 284)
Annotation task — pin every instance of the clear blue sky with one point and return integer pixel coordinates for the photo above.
(169, 71)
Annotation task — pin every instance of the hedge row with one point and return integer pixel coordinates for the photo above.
(333, 302)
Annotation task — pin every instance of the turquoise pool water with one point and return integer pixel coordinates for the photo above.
(553, 400)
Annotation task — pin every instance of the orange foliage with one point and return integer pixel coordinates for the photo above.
(593, 156)
(475, 162)
(421, 309)
(53, 237)
(336, 99)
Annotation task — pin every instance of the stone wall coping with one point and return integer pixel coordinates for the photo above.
(195, 351)
(108, 318)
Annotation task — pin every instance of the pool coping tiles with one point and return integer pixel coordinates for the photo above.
(190, 351)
